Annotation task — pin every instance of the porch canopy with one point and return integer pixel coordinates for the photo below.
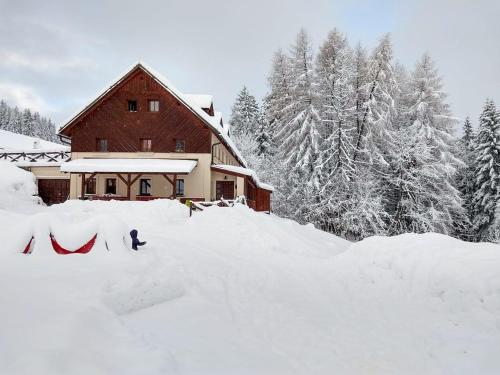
(242, 172)
(124, 168)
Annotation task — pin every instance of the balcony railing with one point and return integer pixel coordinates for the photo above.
(34, 158)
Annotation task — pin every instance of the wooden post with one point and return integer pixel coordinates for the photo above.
(129, 178)
(174, 187)
(82, 193)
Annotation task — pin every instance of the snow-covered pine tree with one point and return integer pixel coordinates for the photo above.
(27, 123)
(279, 96)
(51, 131)
(15, 121)
(276, 103)
(37, 126)
(375, 125)
(264, 141)
(299, 134)
(487, 173)
(361, 84)
(245, 114)
(466, 176)
(334, 87)
(431, 116)
(334, 169)
(245, 122)
(4, 114)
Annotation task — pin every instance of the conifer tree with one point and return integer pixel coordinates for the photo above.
(264, 141)
(26, 122)
(299, 135)
(487, 173)
(465, 178)
(334, 87)
(279, 97)
(426, 164)
(245, 114)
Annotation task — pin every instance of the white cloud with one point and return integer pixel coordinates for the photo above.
(40, 63)
(23, 97)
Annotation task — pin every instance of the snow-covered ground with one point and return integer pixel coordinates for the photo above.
(232, 291)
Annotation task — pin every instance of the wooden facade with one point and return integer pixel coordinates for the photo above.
(111, 120)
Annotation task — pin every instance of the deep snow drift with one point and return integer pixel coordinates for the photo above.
(232, 291)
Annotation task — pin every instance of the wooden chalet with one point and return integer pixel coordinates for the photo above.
(143, 139)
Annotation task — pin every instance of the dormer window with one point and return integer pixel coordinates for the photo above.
(132, 105)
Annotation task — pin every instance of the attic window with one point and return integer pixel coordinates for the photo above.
(154, 105)
(132, 105)
(102, 145)
(180, 145)
(146, 145)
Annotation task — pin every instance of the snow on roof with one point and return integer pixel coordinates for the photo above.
(218, 119)
(129, 165)
(244, 171)
(201, 100)
(167, 85)
(13, 142)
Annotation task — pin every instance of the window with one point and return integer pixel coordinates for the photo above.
(146, 145)
(145, 186)
(179, 188)
(90, 186)
(111, 186)
(102, 145)
(154, 105)
(132, 105)
(180, 145)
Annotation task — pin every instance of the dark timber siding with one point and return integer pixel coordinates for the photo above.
(111, 120)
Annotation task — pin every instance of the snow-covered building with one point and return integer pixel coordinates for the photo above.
(142, 139)
(42, 158)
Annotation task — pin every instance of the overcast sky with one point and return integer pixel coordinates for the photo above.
(56, 55)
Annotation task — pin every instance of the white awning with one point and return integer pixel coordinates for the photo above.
(129, 166)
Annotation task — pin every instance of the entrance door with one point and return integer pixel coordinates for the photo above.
(53, 190)
(224, 189)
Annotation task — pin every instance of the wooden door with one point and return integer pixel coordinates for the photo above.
(53, 190)
(224, 189)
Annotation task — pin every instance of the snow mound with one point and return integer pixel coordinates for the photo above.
(233, 291)
(17, 187)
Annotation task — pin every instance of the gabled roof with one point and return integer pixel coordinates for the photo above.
(167, 85)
